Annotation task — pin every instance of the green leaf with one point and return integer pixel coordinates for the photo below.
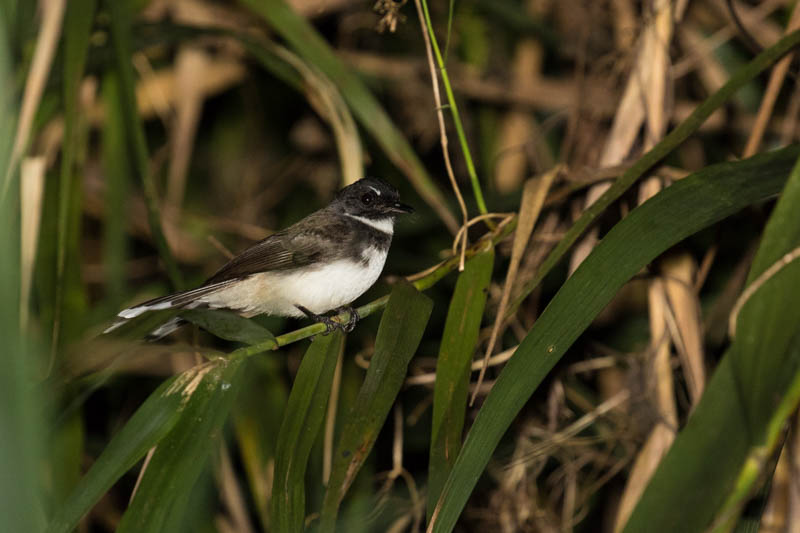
(150, 423)
(181, 456)
(741, 416)
(21, 414)
(459, 340)
(312, 47)
(399, 334)
(21, 411)
(305, 413)
(675, 213)
(768, 321)
(228, 325)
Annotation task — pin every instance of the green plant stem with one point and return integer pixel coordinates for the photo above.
(462, 138)
(426, 282)
(656, 154)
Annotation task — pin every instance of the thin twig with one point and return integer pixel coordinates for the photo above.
(774, 85)
(422, 9)
(759, 281)
(429, 378)
(475, 220)
(330, 421)
(142, 470)
(443, 137)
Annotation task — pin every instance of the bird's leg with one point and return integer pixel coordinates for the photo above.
(352, 321)
(330, 324)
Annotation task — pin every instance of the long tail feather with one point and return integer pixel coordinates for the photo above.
(166, 328)
(180, 300)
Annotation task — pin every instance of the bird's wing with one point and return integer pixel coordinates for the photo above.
(294, 247)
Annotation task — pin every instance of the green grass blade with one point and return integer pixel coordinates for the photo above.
(675, 138)
(399, 334)
(304, 415)
(21, 412)
(675, 213)
(116, 167)
(182, 455)
(150, 423)
(228, 325)
(743, 412)
(68, 298)
(21, 417)
(459, 340)
(312, 47)
(120, 36)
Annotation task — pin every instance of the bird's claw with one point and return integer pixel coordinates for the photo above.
(350, 325)
(331, 324)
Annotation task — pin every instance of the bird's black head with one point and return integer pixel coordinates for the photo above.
(370, 198)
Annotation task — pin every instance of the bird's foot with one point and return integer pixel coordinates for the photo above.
(330, 324)
(350, 325)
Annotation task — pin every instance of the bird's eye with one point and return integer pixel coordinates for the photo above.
(367, 198)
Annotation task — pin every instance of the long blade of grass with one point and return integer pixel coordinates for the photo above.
(20, 410)
(181, 456)
(154, 419)
(675, 138)
(741, 417)
(459, 340)
(675, 213)
(302, 421)
(399, 335)
(77, 25)
(120, 36)
(313, 48)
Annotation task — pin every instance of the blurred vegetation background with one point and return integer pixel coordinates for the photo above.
(601, 329)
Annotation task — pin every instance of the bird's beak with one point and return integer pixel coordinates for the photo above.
(398, 207)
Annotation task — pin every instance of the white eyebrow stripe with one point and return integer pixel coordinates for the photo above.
(374, 189)
(384, 225)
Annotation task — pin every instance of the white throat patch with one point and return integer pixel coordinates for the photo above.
(384, 225)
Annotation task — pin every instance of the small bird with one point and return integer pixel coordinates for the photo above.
(323, 262)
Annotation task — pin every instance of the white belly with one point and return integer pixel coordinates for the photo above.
(320, 290)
